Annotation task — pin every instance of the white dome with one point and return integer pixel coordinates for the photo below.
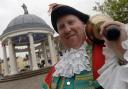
(26, 21)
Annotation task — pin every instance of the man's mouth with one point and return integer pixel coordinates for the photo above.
(69, 36)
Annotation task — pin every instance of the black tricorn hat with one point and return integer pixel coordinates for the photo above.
(62, 10)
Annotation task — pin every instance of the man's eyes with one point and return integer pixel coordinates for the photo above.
(61, 26)
(71, 22)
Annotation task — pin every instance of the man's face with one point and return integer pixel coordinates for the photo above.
(71, 31)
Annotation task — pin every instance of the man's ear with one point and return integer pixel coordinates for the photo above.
(84, 29)
(89, 31)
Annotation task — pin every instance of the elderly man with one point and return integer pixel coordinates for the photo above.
(75, 69)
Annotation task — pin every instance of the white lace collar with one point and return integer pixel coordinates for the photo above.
(73, 62)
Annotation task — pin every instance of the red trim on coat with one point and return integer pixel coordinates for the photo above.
(98, 59)
(48, 78)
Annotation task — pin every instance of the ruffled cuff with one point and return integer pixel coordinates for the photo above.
(125, 46)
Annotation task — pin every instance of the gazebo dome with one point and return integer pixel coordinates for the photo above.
(26, 21)
(21, 25)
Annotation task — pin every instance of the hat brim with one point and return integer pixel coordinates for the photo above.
(66, 10)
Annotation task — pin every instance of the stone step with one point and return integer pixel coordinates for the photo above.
(26, 74)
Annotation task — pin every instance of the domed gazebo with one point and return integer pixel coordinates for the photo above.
(31, 31)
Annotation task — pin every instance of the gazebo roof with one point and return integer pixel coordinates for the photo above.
(26, 21)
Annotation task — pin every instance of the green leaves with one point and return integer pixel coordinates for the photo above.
(117, 9)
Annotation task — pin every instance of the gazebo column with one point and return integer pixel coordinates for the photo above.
(30, 57)
(6, 67)
(39, 55)
(52, 50)
(45, 54)
(33, 54)
(12, 58)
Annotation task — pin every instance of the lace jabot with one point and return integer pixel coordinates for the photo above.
(73, 62)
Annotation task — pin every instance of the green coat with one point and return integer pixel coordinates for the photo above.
(84, 80)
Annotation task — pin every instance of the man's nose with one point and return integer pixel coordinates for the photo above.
(67, 29)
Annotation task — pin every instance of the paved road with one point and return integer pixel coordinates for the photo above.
(28, 83)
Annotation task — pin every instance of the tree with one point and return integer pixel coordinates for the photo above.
(117, 9)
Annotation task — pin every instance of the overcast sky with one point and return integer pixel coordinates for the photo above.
(10, 9)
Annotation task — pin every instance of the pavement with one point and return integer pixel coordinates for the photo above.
(28, 83)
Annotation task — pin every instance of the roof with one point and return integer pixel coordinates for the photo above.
(26, 21)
